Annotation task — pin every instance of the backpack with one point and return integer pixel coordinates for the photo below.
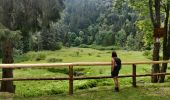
(118, 63)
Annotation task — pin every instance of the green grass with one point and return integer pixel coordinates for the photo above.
(142, 92)
(59, 89)
(79, 55)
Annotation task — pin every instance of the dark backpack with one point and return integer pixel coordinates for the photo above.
(118, 63)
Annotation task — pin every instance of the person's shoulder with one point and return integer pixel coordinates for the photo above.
(113, 59)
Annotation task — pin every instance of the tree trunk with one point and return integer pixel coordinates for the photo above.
(155, 67)
(155, 19)
(165, 44)
(165, 57)
(163, 70)
(7, 86)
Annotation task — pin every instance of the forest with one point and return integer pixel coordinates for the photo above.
(87, 23)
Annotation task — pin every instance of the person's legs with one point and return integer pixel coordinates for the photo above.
(116, 84)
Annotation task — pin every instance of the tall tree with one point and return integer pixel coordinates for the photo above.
(8, 38)
(166, 39)
(26, 16)
(157, 8)
(154, 7)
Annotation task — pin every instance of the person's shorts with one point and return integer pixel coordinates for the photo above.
(114, 73)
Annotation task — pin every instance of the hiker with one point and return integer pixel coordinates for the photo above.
(115, 67)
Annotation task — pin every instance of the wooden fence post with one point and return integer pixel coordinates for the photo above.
(70, 80)
(134, 75)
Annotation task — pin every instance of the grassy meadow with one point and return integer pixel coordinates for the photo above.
(82, 88)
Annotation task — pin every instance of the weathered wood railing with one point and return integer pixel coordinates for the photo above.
(71, 78)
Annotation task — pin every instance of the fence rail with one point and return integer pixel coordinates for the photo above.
(71, 78)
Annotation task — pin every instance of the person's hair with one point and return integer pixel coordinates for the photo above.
(114, 54)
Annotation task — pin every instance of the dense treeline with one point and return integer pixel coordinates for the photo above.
(93, 22)
(86, 22)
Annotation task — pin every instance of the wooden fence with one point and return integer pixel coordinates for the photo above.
(71, 78)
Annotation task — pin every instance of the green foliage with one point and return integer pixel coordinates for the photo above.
(130, 41)
(148, 54)
(76, 71)
(146, 29)
(29, 16)
(34, 90)
(53, 60)
(146, 92)
(35, 56)
(98, 47)
(12, 35)
(144, 23)
(39, 57)
(20, 58)
(58, 45)
(105, 38)
(87, 84)
(78, 41)
(49, 42)
(59, 70)
(120, 38)
(84, 46)
(105, 24)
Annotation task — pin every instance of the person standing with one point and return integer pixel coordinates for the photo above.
(115, 67)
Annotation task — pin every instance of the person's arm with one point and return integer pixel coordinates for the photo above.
(113, 64)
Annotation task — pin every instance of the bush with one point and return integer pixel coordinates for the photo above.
(20, 58)
(98, 56)
(87, 84)
(40, 56)
(90, 54)
(58, 45)
(55, 91)
(76, 71)
(105, 82)
(37, 56)
(148, 54)
(52, 60)
(98, 47)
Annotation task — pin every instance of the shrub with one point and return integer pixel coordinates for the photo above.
(40, 56)
(87, 84)
(55, 91)
(20, 58)
(98, 56)
(37, 56)
(90, 54)
(98, 47)
(105, 82)
(52, 60)
(148, 54)
(58, 45)
(76, 71)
